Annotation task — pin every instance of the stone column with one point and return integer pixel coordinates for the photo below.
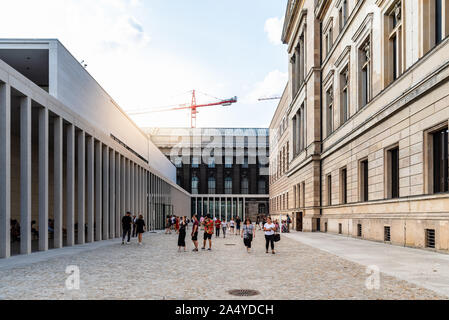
(43, 179)
(118, 191)
(58, 197)
(105, 192)
(98, 191)
(5, 170)
(136, 189)
(81, 187)
(70, 190)
(122, 189)
(131, 187)
(244, 206)
(128, 185)
(226, 209)
(90, 189)
(25, 176)
(112, 195)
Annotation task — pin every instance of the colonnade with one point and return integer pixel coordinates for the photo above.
(94, 179)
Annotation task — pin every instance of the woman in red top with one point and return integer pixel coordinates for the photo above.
(177, 225)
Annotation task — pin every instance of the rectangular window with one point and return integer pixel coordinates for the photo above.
(329, 40)
(245, 163)
(303, 189)
(438, 21)
(329, 190)
(330, 111)
(363, 180)
(344, 97)
(387, 236)
(440, 161)
(340, 228)
(195, 162)
(343, 14)
(393, 56)
(294, 197)
(359, 230)
(211, 163)
(228, 162)
(393, 173)
(344, 185)
(430, 238)
(295, 137)
(365, 64)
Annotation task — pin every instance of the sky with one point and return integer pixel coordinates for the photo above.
(148, 54)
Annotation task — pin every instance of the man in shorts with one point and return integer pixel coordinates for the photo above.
(208, 232)
(195, 233)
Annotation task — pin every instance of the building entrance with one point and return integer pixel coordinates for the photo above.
(299, 218)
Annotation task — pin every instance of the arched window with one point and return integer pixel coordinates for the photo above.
(245, 186)
(195, 185)
(228, 185)
(211, 185)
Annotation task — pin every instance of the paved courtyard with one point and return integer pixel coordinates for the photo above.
(156, 270)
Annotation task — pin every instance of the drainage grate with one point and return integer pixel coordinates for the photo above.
(387, 237)
(230, 244)
(244, 292)
(430, 238)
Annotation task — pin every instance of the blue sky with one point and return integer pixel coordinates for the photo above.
(148, 53)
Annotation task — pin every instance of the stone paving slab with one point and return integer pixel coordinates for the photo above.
(157, 271)
(424, 268)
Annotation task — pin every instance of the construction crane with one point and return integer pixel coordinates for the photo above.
(270, 98)
(193, 108)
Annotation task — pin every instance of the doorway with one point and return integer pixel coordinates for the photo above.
(299, 218)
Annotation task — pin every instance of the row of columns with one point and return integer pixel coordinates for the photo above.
(219, 213)
(107, 183)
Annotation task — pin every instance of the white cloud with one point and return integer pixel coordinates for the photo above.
(273, 28)
(273, 84)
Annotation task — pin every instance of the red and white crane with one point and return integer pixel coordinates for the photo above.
(193, 108)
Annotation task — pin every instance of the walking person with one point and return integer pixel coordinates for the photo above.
(208, 232)
(248, 234)
(232, 226)
(217, 228)
(224, 226)
(289, 221)
(195, 228)
(238, 222)
(182, 234)
(167, 226)
(269, 229)
(126, 226)
(140, 228)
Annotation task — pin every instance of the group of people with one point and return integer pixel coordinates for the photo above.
(247, 232)
(133, 225)
(173, 223)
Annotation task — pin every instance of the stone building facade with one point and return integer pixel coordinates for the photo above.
(225, 170)
(366, 114)
(71, 161)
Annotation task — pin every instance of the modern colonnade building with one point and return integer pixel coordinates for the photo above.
(361, 143)
(71, 161)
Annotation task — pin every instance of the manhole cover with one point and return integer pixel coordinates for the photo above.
(230, 244)
(244, 292)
